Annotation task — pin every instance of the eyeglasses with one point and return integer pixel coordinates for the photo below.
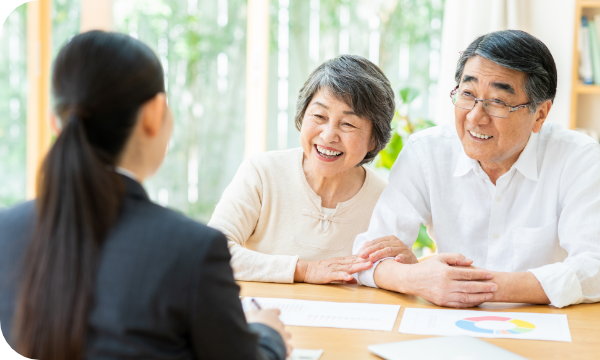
(495, 108)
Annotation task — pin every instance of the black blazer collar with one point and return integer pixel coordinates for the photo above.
(134, 189)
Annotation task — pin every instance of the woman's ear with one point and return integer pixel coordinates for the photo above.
(372, 145)
(153, 114)
(54, 125)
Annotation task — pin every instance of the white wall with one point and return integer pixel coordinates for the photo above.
(552, 21)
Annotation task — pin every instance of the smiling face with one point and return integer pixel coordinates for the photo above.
(333, 137)
(490, 139)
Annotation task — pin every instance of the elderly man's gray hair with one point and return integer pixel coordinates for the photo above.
(517, 50)
(362, 86)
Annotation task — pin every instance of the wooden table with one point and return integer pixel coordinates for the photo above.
(584, 322)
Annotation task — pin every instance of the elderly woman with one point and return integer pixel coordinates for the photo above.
(293, 215)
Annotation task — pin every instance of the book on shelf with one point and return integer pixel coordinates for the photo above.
(585, 57)
(589, 50)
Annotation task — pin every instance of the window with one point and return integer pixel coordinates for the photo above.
(402, 37)
(13, 106)
(202, 46)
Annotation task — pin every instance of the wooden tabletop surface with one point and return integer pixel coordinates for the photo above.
(347, 344)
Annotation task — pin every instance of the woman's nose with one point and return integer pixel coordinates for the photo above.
(329, 133)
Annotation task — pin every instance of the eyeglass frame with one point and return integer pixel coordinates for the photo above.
(510, 108)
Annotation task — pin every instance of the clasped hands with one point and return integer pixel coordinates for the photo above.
(444, 279)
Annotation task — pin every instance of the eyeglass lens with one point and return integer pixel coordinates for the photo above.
(491, 107)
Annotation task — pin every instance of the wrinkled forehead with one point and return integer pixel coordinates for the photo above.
(482, 72)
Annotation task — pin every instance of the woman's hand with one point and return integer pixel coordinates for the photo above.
(387, 246)
(270, 317)
(334, 269)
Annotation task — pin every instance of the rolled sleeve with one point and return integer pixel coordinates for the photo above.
(560, 283)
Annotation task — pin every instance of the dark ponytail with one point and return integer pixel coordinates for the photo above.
(99, 83)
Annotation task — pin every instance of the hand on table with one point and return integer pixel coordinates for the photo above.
(446, 280)
(330, 270)
(387, 246)
(270, 318)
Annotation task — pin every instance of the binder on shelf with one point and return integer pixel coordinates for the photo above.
(595, 51)
(585, 66)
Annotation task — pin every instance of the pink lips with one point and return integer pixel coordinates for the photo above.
(322, 158)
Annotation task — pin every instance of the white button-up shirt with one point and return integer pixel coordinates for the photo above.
(542, 216)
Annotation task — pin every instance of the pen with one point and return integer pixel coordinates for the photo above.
(256, 304)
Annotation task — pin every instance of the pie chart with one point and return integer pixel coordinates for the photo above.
(495, 325)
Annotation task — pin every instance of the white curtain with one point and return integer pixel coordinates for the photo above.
(552, 21)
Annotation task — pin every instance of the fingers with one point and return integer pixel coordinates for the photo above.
(353, 281)
(392, 242)
(454, 259)
(360, 266)
(461, 305)
(407, 259)
(474, 287)
(341, 276)
(467, 299)
(468, 274)
(383, 253)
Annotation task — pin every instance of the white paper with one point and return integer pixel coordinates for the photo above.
(329, 314)
(305, 354)
(512, 325)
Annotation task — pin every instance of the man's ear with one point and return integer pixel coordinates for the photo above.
(152, 114)
(541, 115)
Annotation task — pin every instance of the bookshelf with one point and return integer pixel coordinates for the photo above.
(585, 99)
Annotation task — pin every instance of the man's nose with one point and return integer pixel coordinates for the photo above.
(477, 115)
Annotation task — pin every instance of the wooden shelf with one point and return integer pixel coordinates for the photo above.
(590, 4)
(587, 89)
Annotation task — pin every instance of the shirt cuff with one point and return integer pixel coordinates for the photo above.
(560, 283)
(366, 277)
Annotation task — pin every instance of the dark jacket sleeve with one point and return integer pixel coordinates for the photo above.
(219, 329)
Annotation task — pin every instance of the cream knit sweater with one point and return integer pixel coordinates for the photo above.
(272, 217)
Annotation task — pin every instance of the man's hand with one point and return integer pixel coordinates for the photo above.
(334, 269)
(437, 281)
(387, 246)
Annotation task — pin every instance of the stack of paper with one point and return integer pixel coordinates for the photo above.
(329, 314)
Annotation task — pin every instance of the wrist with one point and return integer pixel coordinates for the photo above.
(300, 272)
(391, 275)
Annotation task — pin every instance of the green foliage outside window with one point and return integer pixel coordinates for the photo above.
(403, 128)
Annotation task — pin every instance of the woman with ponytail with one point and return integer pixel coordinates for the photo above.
(92, 269)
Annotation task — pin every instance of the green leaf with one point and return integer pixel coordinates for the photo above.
(388, 156)
(408, 94)
(423, 240)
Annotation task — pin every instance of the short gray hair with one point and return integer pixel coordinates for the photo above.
(361, 85)
(517, 50)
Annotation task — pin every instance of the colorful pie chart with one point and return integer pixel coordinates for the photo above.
(488, 325)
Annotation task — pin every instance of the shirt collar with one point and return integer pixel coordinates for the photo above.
(464, 164)
(126, 172)
(526, 164)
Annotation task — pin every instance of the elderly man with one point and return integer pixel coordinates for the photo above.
(519, 197)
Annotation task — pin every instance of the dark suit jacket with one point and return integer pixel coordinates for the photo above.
(164, 288)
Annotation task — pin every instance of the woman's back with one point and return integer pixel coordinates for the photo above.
(92, 269)
(163, 283)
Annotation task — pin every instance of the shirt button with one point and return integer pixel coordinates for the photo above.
(496, 236)
(498, 198)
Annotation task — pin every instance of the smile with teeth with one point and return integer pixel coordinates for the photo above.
(330, 154)
(481, 136)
